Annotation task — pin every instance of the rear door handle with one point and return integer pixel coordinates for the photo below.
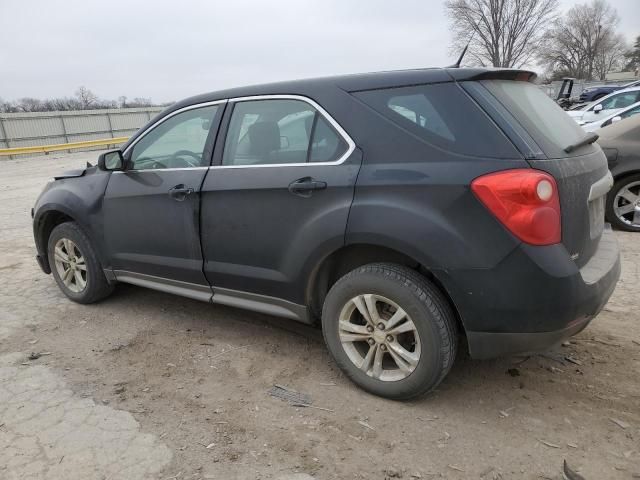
(306, 186)
(180, 192)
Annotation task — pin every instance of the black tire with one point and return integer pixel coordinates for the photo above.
(426, 306)
(609, 208)
(97, 287)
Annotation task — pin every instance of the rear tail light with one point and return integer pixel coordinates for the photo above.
(525, 201)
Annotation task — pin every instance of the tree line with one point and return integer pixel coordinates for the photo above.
(583, 43)
(83, 99)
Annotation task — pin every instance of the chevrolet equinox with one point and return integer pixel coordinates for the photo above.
(403, 211)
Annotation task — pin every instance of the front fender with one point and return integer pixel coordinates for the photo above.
(78, 198)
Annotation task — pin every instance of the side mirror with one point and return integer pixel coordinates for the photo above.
(110, 161)
(597, 108)
(617, 118)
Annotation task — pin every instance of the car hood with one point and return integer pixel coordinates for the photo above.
(71, 174)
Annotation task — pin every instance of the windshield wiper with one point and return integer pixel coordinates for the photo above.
(587, 140)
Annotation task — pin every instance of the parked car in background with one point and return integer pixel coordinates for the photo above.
(613, 118)
(606, 106)
(596, 92)
(399, 210)
(620, 142)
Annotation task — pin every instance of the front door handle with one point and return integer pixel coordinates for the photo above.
(180, 192)
(306, 186)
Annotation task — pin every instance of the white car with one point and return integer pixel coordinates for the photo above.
(605, 106)
(609, 119)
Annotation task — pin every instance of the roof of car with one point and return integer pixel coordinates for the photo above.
(360, 81)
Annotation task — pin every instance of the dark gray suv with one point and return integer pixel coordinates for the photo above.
(403, 211)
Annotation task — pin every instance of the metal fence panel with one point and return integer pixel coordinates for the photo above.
(50, 128)
(21, 128)
(86, 123)
(131, 121)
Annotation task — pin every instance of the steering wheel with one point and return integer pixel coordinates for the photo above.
(178, 160)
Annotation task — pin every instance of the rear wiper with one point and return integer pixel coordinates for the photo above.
(589, 139)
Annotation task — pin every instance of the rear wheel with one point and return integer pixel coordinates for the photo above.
(623, 204)
(75, 266)
(390, 330)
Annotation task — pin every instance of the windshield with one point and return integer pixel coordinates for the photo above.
(549, 125)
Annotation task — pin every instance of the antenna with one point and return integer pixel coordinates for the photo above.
(457, 64)
(464, 51)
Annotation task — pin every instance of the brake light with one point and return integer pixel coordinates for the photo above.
(525, 201)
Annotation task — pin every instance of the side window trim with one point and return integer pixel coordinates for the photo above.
(129, 148)
(312, 133)
(224, 130)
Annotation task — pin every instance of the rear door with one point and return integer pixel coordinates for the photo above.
(582, 174)
(278, 196)
(152, 208)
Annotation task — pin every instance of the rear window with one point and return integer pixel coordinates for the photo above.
(549, 125)
(442, 115)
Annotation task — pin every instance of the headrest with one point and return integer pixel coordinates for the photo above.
(264, 138)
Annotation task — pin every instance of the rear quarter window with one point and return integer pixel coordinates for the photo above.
(442, 115)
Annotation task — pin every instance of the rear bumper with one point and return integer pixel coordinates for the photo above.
(490, 345)
(533, 299)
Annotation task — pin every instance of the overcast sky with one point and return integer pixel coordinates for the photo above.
(170, 49)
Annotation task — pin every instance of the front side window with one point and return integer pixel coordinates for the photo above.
(269, 132)
(178, 142)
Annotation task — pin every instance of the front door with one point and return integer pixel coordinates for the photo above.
(611, 105)
(279, 196)
(152, 208)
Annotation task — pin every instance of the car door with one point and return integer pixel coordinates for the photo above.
(611, 104)
(152, 208)
(277, 199)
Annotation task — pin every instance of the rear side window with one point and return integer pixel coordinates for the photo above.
(442, 115)
(549, 125)
(273, 132)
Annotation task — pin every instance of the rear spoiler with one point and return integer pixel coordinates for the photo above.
(492, 74)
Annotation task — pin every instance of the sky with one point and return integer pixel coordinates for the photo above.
(170, 49)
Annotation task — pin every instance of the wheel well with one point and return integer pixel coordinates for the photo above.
(342, 261)
(622, 175)
(48, 222)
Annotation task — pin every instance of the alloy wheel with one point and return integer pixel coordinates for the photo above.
(379, 337)
(626, 204)
(70, 265)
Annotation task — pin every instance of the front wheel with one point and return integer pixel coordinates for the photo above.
(75, 266)
(390, 330)
(623, 203)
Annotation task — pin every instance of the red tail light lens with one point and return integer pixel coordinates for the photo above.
(525, 201)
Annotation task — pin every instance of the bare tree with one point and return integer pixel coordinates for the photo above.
(502, 33)
(584, 42)
(86, 97)
(29, 104)
(83, 99)
(140, 102)
(633, 56)
(610, 56)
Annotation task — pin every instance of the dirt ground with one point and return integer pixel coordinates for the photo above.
(149, 385)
